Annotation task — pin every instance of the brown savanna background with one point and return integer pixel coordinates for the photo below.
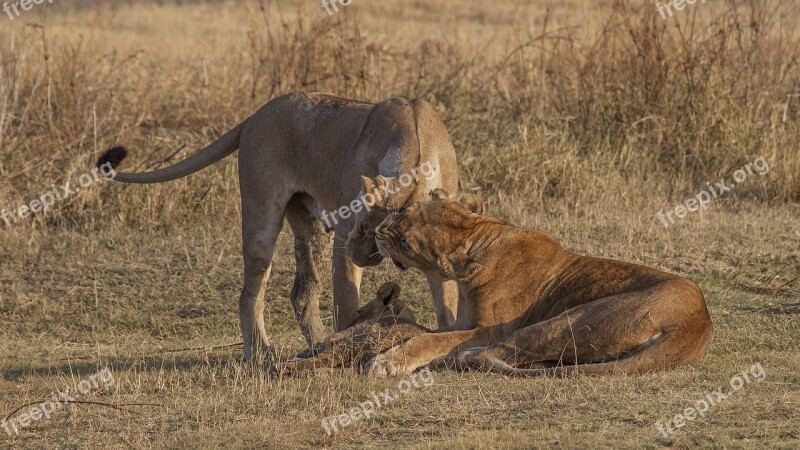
(583, 119)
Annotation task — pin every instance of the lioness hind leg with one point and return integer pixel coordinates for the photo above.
(312, 248)
(260, 228)
(634, 332)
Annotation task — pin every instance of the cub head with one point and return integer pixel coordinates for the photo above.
(379, 197)
(385, 305)
(434, 236)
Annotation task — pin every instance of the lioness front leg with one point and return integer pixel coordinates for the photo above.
(445, 299)
(346, 285)
(405, 358)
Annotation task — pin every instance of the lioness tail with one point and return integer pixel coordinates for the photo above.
(222, 147)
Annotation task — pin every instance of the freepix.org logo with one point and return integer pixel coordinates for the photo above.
(426, 170)
(44, 203)
(330, 5)
(718, 189)
(365, 409)
(679, 5)
(700, 407)
(13, 8)
(45, 409)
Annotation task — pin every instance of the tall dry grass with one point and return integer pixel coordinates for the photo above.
(561, 121)
(643, 108)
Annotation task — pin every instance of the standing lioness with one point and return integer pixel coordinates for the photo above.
(531, 308)
(302, 157)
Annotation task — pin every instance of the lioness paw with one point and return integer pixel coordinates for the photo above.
(383, 366)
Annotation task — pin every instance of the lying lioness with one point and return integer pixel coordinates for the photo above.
(530, 308)
(380, 325)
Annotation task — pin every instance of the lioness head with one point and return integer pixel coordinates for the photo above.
(385, 305)
(380, 196)
(434, 236)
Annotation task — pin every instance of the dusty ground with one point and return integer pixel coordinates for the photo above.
(141, 280)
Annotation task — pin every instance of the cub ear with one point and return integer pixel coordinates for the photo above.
(472, 202)
(463, 267)
(439, 194)
(389, 292)
(468, 200)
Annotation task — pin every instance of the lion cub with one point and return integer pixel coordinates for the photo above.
(381, 324)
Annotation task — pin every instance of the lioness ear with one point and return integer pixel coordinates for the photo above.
(372, 195)
(368, 184)
(372, 185)
(463, 267)
(472, 202)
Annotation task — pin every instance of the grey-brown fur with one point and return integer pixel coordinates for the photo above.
(380, 325)
(301, 158)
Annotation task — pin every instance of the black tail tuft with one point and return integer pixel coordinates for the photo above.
(113, 156)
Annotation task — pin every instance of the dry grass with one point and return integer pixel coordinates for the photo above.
(578, 119)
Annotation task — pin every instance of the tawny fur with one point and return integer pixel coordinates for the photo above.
(531, 308)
